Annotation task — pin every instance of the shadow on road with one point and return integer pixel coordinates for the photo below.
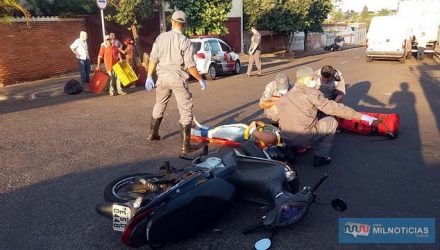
(430, 83)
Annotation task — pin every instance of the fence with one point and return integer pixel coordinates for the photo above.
(39, 50)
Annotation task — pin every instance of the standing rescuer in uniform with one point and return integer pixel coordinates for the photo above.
(254, 52)
(172, 57)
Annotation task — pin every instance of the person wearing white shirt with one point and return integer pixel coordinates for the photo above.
(79, 48)
(421, 46)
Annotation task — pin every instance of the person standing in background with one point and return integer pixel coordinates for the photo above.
(80, 49)
(421, 46)
(129, 55)
(254, 52)
(115, 41)
(110, 54)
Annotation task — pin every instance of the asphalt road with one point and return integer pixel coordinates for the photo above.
(57, 153)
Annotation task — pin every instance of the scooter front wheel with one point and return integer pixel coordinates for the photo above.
(130, 187)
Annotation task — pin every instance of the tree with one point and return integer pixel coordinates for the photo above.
(337, 16)
(63, 7)
(317, 13)
(204, 16)
(280, 16)
(130, 13)
(385, 12)
(11, 8)
(364, 14)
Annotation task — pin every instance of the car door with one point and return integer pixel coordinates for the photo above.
(228, 62)
(217, 55)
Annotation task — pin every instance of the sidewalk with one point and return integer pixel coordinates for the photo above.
(55, 86)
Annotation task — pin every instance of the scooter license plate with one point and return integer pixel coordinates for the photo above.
(121, 216)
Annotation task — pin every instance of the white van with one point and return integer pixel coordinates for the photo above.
(388, 37)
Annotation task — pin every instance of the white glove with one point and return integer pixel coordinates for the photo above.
(368, 119)
(149, 83)
(203, 84)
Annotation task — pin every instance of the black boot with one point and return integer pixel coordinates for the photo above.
(185, 136)
(154, 129)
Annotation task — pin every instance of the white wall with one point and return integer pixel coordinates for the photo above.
(237, 9)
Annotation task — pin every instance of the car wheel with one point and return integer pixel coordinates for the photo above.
(237, 68)
(369, 59)
(331, 49)
(212, 72)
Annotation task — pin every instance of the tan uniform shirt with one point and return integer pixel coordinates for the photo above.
(271, 93)
(173, 53)
(256, 41)
(298, 113)
(329, 88)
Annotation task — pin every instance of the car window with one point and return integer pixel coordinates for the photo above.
(225, 47)
(215, 47)
(206, 46)
(196, 46)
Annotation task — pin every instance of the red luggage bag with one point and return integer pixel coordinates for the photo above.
(386, 124)
(98, 82)
(142, 76)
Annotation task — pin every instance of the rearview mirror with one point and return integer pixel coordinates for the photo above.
(263, 244)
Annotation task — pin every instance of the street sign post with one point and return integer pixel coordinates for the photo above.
(102, 4)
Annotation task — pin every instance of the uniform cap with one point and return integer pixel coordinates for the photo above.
(179, 16)
(282, 82)
(304, 71)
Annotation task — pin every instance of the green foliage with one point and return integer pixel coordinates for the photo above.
(350, 16)
(65, 7)
(364, 14)
(204, 16)
(318, 12)
(11, 8)
(337, 16)
(280, 16)
(130, 12)
(386, 12)
(254, 10)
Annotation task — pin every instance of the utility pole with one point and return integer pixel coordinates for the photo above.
(163, 26)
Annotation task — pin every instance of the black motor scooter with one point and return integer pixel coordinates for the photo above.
(337, 45)
(155, 209)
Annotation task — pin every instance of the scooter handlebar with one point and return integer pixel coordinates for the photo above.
(321, 180)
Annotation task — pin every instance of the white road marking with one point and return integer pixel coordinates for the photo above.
(356, 57)
(343, 62)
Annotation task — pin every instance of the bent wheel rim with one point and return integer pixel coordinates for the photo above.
(121, 189)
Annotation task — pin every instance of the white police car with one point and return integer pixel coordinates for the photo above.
(213, 57)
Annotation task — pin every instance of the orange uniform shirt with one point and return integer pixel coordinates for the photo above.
(110, 56)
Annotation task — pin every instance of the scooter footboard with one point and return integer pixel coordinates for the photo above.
(190, 212)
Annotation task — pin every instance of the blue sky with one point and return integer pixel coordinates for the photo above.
(373, 5)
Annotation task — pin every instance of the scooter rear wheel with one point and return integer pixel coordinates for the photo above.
(130, 187)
